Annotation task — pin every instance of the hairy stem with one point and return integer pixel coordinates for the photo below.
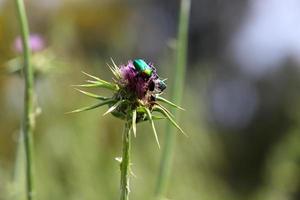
(29, 113)
(177, 92)
(125, 163)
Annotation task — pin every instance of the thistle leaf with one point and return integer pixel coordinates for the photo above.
(162, 111)
(113, 107)
(91, 76)
(92, 106)
(92, 95)
(165, 109)
(99, 82)
(113, 62)
(169, 102)
(94, 82)
(140, 110)
(134, 122)
(156, 117)
(109, 86)
(152, 124)
(96, 78)
(114, 71)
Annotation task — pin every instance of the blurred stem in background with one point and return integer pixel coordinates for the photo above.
(177, 93)
(29, 111)
(125, 163)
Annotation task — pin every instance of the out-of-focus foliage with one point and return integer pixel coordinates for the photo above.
(244, 128)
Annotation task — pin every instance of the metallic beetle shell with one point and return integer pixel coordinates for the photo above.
(142, 67)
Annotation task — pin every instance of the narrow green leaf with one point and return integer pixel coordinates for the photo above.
(90, 85)
(162, 111)
(91, 107)
(169, 102)
(93, 82)
(98, 84)
(165, 109)
(115, 66)
(92, 95)
(156, 117)
(152, 124)
(140, 110)
(114, 71)
(113, 107)
(134, 122)
(94, 77)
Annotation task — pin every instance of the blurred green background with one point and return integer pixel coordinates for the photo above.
(241, 99)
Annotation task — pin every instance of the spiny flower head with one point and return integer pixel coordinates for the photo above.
(136, 94)
(139, 82)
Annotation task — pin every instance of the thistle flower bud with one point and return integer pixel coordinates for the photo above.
(36, 43)
(43, 58)
(136, 94)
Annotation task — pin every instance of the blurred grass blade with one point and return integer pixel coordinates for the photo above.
(95, 96)
(176, 97)
(159, 98)
(92, 106)
(152, 124)
(162, 111)
(19, 176)
(113, 107)
(134, 122)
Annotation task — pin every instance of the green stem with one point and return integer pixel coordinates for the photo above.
(29, 113)
(125, 164)
(177, 93)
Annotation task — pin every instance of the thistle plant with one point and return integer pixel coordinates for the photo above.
(29, 108)
(43, 59)
(136, 98)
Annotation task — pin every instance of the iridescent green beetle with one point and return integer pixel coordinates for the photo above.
(142, 67)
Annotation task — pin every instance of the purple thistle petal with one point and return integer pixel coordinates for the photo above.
(127, 72)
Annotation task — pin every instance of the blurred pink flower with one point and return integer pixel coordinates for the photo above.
(36, 43)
